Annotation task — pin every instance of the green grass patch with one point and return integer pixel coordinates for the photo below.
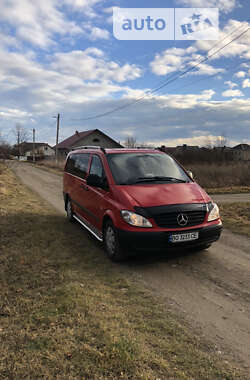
(66, 312)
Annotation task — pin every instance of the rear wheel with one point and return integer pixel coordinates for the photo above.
(111, 242)
(69, 211)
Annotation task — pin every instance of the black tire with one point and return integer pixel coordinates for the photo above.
(69, 211)
(111, 243)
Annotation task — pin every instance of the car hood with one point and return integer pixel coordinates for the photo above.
(162, 194)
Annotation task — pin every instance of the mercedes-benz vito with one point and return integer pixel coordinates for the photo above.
(138, 199)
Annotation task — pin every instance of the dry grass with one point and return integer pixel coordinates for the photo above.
(67, 313)
(227, 176)
(52, 164)
(236, 217)
(229, 190)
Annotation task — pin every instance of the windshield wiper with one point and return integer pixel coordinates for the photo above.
(159, 178)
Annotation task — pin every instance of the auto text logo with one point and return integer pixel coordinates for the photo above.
(166, 23)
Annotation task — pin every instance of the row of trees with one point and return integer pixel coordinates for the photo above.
(220, 142)
(20, 135)
(213, 152)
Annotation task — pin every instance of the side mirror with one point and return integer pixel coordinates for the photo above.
(190, 174)
(95, 181)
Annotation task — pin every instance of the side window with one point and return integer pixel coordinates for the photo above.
(70, 164)
(77, 164)
(81, 165)
(96, 167)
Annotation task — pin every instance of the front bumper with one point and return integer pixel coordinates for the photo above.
(161, 240)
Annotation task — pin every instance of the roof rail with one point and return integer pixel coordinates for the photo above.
(89, 147)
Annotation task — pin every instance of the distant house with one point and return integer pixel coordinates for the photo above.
(241, 152)
(93, 137)
(187, 148)
(41, 150)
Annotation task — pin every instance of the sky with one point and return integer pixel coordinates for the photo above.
(60, 56)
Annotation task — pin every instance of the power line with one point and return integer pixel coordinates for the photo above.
(172, 78)
(199, 63)
(228, 68)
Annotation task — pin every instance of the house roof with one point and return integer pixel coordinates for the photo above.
(242, 147)
(72, 140)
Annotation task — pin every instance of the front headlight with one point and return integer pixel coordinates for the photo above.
(214, 212)
(134, 219)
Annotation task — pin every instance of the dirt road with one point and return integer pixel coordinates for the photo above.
(211, 289)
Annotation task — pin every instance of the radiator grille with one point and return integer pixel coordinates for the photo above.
(169, 220)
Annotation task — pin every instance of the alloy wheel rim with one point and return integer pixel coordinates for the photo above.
(110, 240)
(69, 210)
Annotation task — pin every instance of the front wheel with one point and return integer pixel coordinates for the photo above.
(112, 245)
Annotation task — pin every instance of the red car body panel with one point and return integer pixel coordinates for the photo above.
(148, 195)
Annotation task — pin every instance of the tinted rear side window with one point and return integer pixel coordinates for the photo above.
(77, 164)
(70, 164)
(96, 167)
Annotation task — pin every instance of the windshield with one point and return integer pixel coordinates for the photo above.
(135, 168)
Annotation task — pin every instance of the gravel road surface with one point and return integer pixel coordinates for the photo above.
(210, 289)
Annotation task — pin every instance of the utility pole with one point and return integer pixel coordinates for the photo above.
(57, 136)
(34, 158)
(18, 144)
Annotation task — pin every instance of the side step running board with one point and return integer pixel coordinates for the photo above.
(88, 228)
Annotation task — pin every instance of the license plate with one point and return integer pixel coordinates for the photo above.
(188, 236)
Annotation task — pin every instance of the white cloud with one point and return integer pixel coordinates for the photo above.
(39, 22)
(13, 113)
(94, 33)
(231, 84)
(175, 59)
(246, 83)
(240, 74)
(87, 66)
(232, 93)
(169, 61)
(244, 64)
(205, 69)
(81, 4)
(223, 5)
(68, 80)
(239, 48)
(187, 101)
(109, 11)
(41, 91)
(85, 6)
(7, 40)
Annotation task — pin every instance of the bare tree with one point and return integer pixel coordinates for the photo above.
(21, 135)
(5, 150)
(130, 142)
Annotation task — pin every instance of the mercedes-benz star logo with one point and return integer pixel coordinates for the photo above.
(182, 219)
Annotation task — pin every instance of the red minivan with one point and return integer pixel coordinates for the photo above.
(138, 199)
